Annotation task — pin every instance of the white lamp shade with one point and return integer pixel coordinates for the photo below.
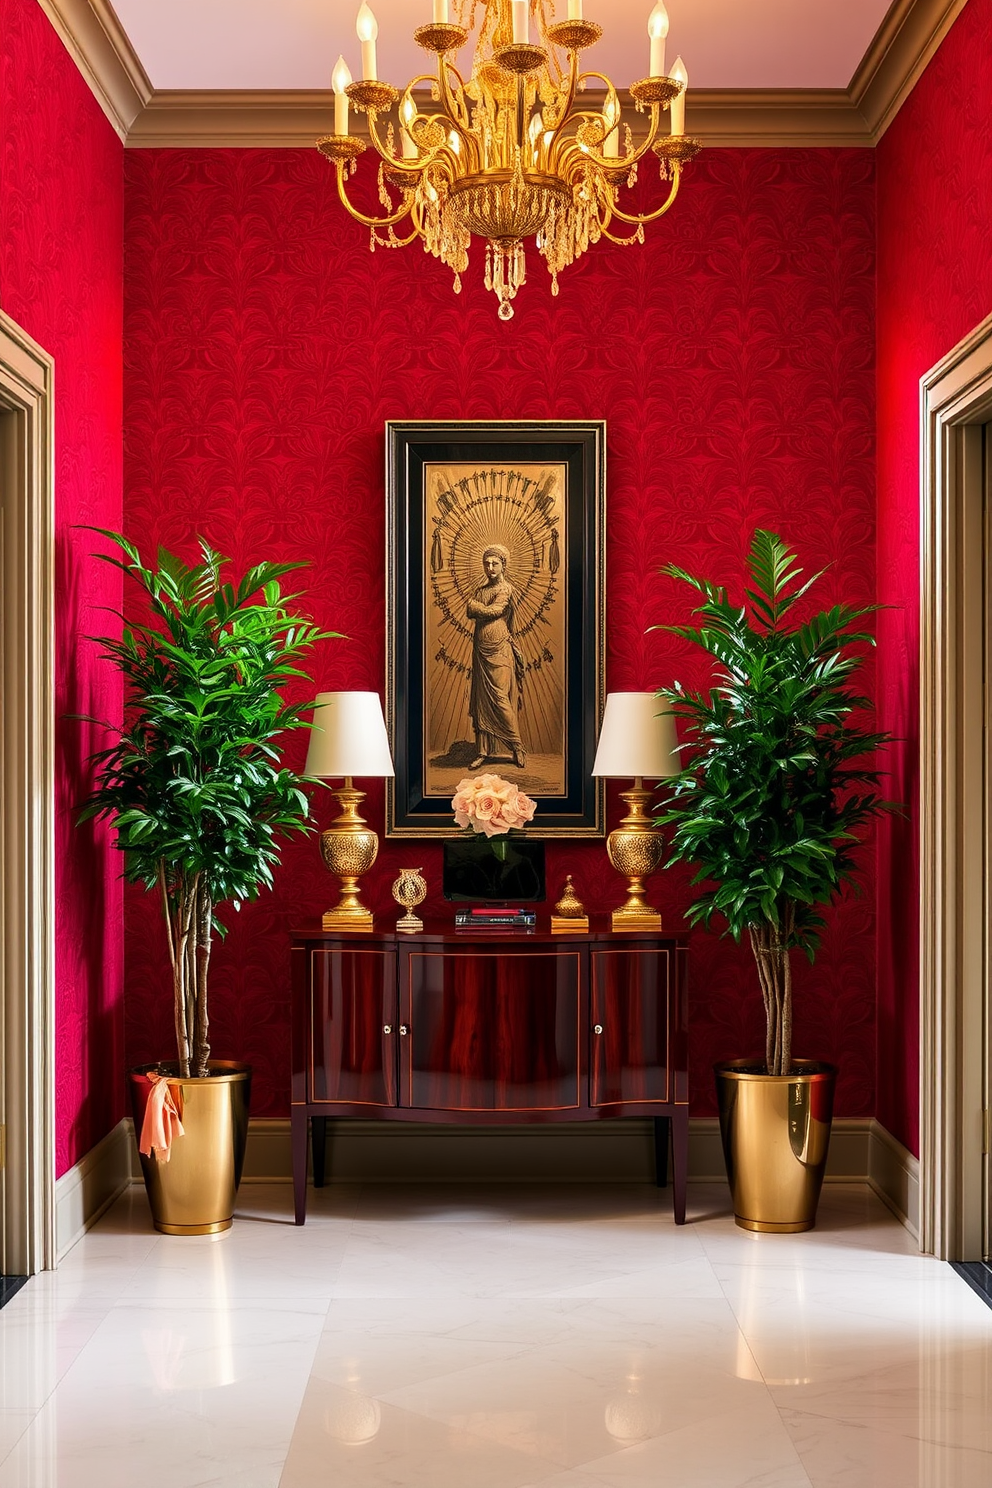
(348, 736)
(637, 739)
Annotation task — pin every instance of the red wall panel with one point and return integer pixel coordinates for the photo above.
(61, 231)
(733, 359)
(934, 286)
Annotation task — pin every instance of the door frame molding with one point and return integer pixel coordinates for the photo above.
(955, 899)
(28, 876)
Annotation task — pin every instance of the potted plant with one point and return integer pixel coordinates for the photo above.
(199, 801)
(778, 779)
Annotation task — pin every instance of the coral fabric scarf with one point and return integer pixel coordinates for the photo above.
(162, 1121)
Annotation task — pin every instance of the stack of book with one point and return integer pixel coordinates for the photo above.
(495, 917)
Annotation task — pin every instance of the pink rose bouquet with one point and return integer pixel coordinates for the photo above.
(491, 805)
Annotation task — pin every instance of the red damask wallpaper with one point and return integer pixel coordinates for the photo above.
(934, 286)
(733, 358)
(61, 231)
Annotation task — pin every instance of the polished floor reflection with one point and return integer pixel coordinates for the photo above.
(497, 1338)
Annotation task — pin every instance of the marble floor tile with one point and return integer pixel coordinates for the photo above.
(169, 1395)
(855, 1454)
(13, 1424)
(745, 1448)
(358, 1441)
(497, 1337)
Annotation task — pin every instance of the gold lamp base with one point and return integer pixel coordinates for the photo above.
(349, 848)
(635, 850)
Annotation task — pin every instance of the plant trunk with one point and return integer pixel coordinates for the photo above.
(770, 944)
(204, 928)
(179, 999)
(189, 917)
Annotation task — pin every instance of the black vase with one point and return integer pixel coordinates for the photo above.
(506, 869)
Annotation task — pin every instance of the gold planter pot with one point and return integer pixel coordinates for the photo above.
(194, 1192)
(776, 1131)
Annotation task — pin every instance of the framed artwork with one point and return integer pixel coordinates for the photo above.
(495, 597)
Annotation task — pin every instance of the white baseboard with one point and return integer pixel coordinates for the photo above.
(861, 1151)
(894, 1174)
(92, 1185)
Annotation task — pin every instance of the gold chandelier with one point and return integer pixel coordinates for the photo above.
(510, 152)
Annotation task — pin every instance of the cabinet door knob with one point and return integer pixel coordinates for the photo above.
(403, 1030)
(387, 1028)
(597, 1028)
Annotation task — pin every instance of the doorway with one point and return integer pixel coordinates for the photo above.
(27, 1126)
(956, 802)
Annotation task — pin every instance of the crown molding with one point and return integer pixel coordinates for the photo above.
(904, 43)
(148, 118)
(95, 39)
(769, 117)
(176, 119)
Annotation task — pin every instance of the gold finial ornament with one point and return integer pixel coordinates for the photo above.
(569, 911)
(509, 145)
(409, 890)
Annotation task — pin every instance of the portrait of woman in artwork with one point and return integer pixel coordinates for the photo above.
(497, 686)
(495, 604)
(495, 554)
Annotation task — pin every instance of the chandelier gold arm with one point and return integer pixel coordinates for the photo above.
(621, 242)
(414, 169)
(456, 114)
(397, 216)
(457, 109)
(565, 115)
(574, 153)
(639, 221)
(611, 98)
(619, 162)
(418, 232)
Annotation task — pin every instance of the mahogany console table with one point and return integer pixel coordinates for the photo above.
(489, 1027)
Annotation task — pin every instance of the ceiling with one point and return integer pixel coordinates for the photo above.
(293, 44)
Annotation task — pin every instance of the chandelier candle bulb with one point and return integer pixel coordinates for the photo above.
(441, 11)
(408, 112)
(611, 144)
(521, 21)
(658, 30)
(368, 29)
(575, 10)
(679, 75)
(340, 78)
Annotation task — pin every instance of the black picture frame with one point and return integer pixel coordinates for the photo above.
(515, 467)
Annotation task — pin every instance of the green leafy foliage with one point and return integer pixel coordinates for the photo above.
(775, 786)
(194, 784)
(778, 777)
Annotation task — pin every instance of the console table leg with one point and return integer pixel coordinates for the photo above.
(662, 1128)
(299, 1128)
(318, 1143)
(680, 1159)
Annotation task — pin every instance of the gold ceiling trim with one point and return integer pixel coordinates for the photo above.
(171, 118)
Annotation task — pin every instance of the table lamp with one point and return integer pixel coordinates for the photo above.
(348, 738)
(637, 739)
